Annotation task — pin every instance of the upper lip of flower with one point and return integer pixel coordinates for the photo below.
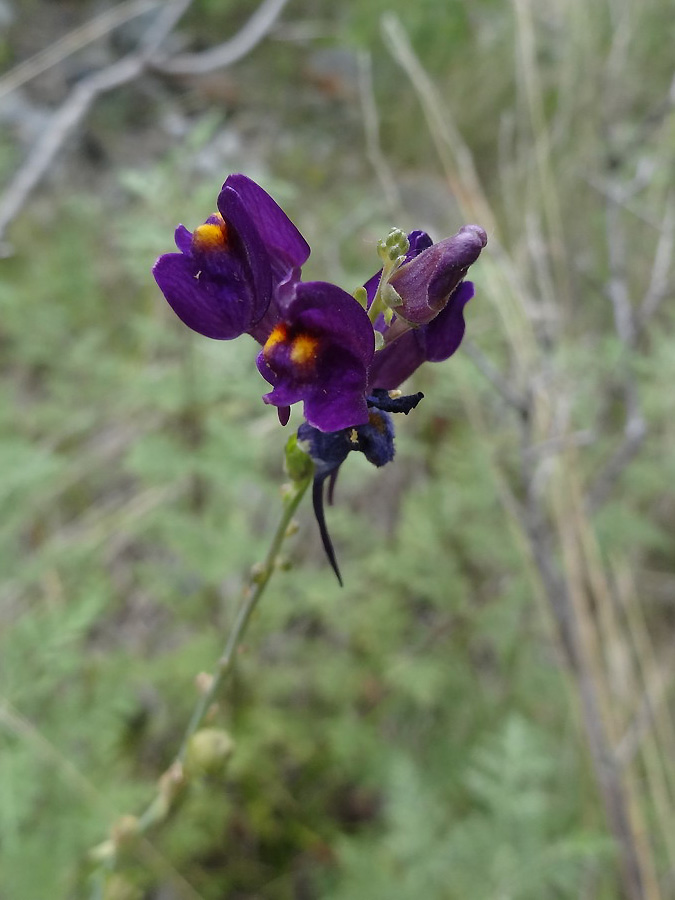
(222, 281)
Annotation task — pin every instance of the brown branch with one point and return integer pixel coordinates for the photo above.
(630, 324)
(250, 35)
(626, 325)
(76, 106)
(80, 100)
(72, 42)
(659, 283)
(498, 381)
(62, 123)
(543, 542)
(371, 127)
(635, 432)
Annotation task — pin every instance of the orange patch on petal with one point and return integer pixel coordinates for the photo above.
(211, 235)
(278, 335)
(303, 349)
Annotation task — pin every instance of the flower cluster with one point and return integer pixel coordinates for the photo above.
(344, 356)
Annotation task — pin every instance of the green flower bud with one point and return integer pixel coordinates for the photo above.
(124, 830)
(208, 752)
(258, 573)
(171, 785)
(397, 240)
(391, 296)
(117, 887)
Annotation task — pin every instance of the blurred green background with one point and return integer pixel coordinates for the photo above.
(419, 733)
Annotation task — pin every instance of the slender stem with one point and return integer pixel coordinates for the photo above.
(160, 806)
(249, 603)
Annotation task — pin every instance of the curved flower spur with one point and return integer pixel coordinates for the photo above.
(343, 356)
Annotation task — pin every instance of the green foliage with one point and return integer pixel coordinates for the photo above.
(412, 734)
(495, 835)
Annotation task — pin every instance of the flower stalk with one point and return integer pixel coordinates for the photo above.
(171, 784)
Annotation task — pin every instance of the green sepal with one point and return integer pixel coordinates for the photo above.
(361, 297)
(298, 464)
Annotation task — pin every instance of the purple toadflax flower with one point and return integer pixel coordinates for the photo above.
(343, 356)
(239, 273)
(423, 298)
(320, 351)
(223, 280)
(416, 304)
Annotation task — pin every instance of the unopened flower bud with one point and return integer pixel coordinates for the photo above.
(426, 283)
(117, 887)
(124, 831)
(203, 682)
(208, 751)
(171, 785)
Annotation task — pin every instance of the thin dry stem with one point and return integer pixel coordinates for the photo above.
(249, 36)
(73, 42)
(371, 126)
(77, 104)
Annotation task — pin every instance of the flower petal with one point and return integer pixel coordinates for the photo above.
(443, 335)
(340, 404)
(433, 342)
(319, 353)
(324, 308)
(213, 309)
(396, 362)
(248, 245)
(427, 281)
(275, 228)
(183, 239)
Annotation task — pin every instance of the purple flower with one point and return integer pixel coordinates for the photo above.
(434, 342)
(421, 319)
(319, 351)
(428, 321)
(427, 280)
(239, 272)
(224, 278)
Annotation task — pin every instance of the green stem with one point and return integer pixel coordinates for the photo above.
(160, 807)
(378, 305)
(244, 613)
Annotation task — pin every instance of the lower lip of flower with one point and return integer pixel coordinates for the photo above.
(302, 347)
